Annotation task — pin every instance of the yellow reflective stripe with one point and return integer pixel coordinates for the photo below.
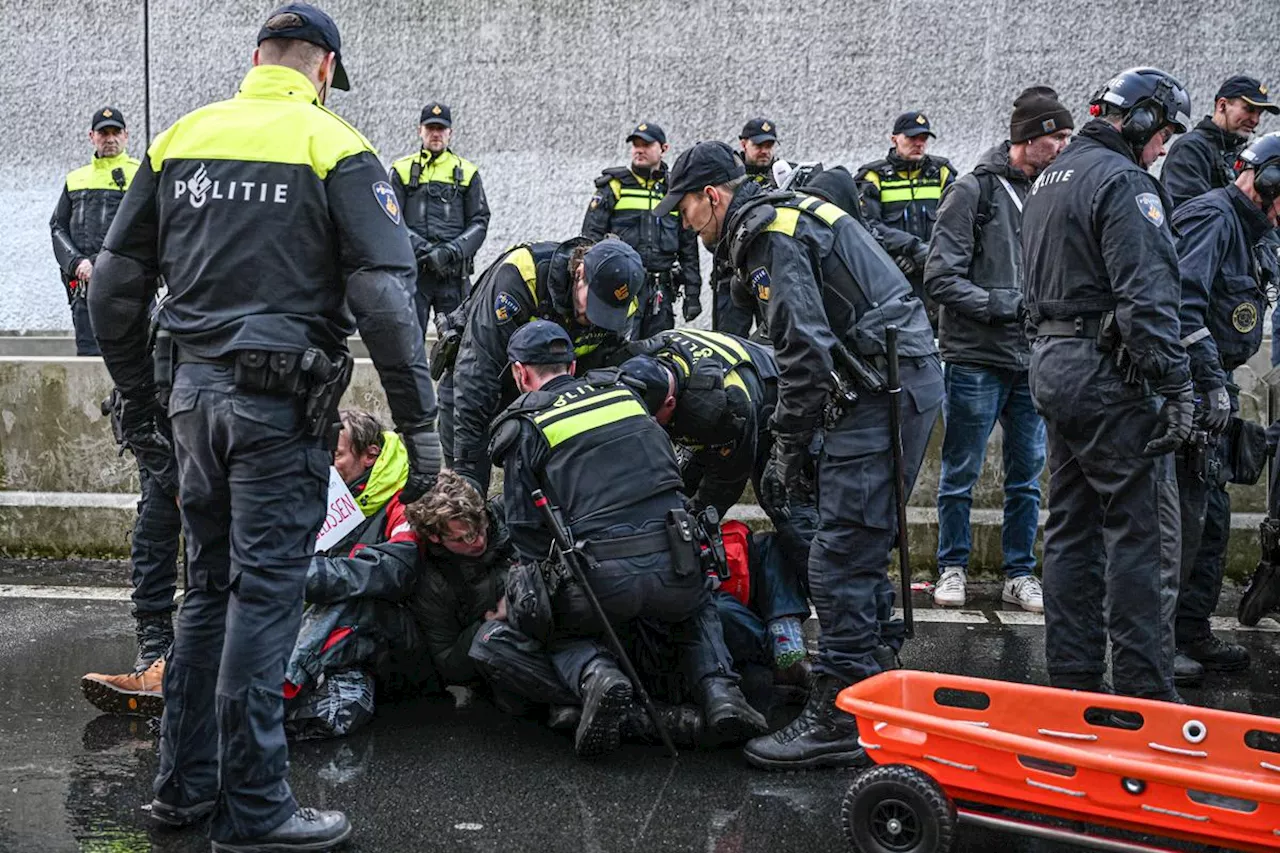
(627, 202)
(575, 425)
(721, 344)
(616, 186)
(439, 170)
(829, 213)
(522, 260)
(733, 380)
(97, 175)
(680, 363)
(807, 201)
(274, 119)
(872, 178)
(943, 174)
(785, 221)
(578, 404)
(920, 192)
(585, 349)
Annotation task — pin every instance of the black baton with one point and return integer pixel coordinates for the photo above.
(899, 474)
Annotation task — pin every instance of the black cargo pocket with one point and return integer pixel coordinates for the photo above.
(854, 478)
(269, 410)
(182, 400)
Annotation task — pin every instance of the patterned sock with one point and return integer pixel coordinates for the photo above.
(788, 641)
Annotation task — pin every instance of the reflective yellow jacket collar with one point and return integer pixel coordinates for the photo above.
(110, 163)
(277, 81)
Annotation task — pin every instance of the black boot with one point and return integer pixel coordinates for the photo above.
(730, 717)
(1263, 592)
(563, 718)
(822, 736)
(178, 817)
(1187, 672)
(307, 829)
(155, 636)
(1216, 655)
(683, 723)
(606, 699)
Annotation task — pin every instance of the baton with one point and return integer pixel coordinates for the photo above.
(899, 473)
(573, 557)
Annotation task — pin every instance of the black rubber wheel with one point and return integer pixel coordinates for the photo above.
(894, 808)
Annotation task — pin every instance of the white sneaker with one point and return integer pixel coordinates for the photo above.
(950, 589)
(1024, 592)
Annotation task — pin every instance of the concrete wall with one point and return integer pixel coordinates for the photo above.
(544, 92)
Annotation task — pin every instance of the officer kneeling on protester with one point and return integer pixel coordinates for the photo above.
(576, 440)
(548, 281)
(1224, 298)
(714, 395)
(1101, 286)
(278, 236)
(829, 291)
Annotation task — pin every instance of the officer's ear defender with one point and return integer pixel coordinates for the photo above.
(1267, 182)
(1147, 116)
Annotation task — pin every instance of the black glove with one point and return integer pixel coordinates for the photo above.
(1215, 409)
(921, 256)
(692, 304)
(423, 446)
(1176, 417)
(442, 258)
(1004, 304)
(905, 263)
(788, 473)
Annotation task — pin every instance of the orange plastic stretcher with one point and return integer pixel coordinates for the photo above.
(1155, 768)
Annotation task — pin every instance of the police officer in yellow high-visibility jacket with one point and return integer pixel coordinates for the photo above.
(445, 208)
(273, 224)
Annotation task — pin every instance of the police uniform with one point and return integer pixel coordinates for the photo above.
(90, 197)
(529, 282)
(1096, 240)
(277, 234)
(444, 206)
(900, 199)
(623, 205)
(1222, 306)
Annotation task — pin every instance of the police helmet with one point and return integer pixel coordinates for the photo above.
(1148, 98)
(1263, 156)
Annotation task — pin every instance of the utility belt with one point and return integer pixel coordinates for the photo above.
(311, 375)
(1105, 333)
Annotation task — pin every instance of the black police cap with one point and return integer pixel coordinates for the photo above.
(1250, 90)
(615, 277)
(540, 342)
(437, 113)
(706, 164)
(759, 130)
(107, 117)
(649, 132)
(317, 28)
(912, 123)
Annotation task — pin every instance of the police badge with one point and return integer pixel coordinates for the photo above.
(1152, 209)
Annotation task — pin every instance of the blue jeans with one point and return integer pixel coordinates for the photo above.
(976, 398)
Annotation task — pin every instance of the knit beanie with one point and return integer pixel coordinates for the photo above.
(1038, 112)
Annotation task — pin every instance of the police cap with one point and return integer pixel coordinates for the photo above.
(615, 276)
(437, 113)
(912, 123)
(107, 117)
(759, 130)
(540, 342)
(650, 378)
(315, 27)
(1250, 90)
(647, 131)
(706, 164)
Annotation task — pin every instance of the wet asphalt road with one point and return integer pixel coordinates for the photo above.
(440, 774)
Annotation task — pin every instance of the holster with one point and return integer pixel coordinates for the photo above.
(711, 544)
(326, 381)
(162, 358)
(444, 352)
(686, 553)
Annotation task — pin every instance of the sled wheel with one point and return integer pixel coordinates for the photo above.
(894, 808)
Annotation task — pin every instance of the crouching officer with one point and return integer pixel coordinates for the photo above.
(589, 290)
(829, 291)
(445, 208)
(1101, 284)
(576, 440)
(278, 236)
(1224, 300)
(623, 205)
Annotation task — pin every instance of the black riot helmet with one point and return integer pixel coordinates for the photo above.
(1263, 156)
(1148, 99)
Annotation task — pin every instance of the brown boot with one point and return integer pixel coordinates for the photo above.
(130, 693)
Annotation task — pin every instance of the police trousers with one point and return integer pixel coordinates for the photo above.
(253, 490)
(154, 547)
(1112, 542)
(441, 294)
(1205, 508)
(858, 521)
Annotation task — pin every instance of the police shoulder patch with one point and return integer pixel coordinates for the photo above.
(1245, 317)
(1152, 209)
(387, 200)
(505, 307)
(760, 283)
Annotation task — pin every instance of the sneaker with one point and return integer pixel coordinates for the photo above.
(788, 641)
(130, 693)
(950, 589)
(1025, 592)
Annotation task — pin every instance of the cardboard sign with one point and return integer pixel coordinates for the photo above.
(342, 514)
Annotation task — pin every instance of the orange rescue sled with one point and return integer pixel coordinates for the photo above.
(1177, 771)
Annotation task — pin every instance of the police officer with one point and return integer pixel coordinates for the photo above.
(623, 205)
(1223, 301)
(90, 197)
(759, 144)
(275, 228)
(1205, 157)
(576, 440)
(587, 290)
(825, 284)
(1101, 283)
(900, 195)
(444, 205)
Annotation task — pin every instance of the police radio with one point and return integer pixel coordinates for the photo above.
(117, 175)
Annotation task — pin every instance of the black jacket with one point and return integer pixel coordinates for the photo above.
(1200, 160)
(272, 222)
(1096, 238)
(91, 195)
(1223, 302)
(974, 271)
(444, 203)
(454, 593)
(900, 200)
